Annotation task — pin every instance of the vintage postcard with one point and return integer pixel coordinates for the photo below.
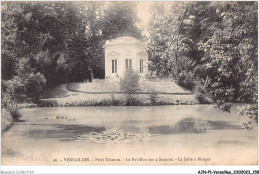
(129, 83)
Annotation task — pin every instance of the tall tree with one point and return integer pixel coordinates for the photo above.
(231, 53)
(216, 41)
(45, 33)
(93, 22)
(120, 19)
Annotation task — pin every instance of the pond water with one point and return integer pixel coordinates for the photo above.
(135, 130)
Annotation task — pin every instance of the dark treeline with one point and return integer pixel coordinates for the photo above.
(47, 43)
(209, 48)
(207, 43)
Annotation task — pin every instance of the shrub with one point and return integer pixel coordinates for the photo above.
(34, 86)
(201, 95)
(26, 88)
(114, 101)
(153, 96)
(26, 84)
(186, 73)
(186, 79)
(15, 88)
(14, 111)
(131, 101)
(201, 92)
(11, 106)
(129, 84)
(251, 111)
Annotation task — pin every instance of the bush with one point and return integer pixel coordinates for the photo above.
(186, 73)
(34, 86)
(14, 88)
(251, 111)
(131, 101)
(26, 88)
(114, 102)
(11, 106)
(14, 111)
(129, 84)
(201, 95)
(186, 79)
(201, 92)
(26, 84)
(153, 96)
(202, 98)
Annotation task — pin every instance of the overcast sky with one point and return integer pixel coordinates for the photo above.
(144, 15)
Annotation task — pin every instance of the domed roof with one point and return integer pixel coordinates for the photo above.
(124, 41)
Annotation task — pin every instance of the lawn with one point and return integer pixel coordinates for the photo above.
(145, 86)
(106, 93)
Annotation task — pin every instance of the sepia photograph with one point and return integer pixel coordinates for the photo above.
(129, 83)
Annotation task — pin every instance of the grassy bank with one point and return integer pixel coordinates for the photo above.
(105, 86)
(108, 93)
(118, 99)
(6, 120)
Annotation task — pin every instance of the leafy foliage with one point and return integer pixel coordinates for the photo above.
(153, 96)
(201, 91)
(26, 83)
(120, 20)
(46, 43)
(44, 33)
(220, 38)
(251, 111)
(231, 54)
(8, 103)
(186, 76)
(129, 84)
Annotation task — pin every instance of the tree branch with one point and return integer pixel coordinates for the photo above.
(177, 43)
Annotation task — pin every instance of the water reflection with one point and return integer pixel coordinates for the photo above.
(63, 123)
(191, 125)
(61, 131)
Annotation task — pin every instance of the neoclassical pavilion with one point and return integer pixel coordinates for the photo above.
(125, 53)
